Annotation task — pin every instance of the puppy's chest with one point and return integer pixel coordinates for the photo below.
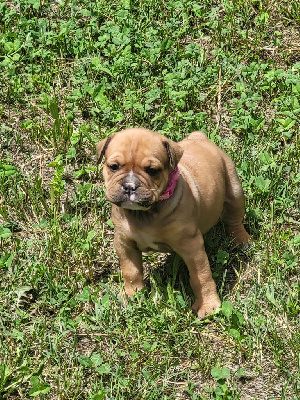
(147, 239)
(148, 242)
(147, 232)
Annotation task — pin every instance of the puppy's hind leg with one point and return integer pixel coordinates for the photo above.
(234, 206)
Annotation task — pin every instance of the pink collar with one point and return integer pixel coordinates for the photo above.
(171, 185)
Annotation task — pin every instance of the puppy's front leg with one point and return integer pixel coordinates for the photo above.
(192, 251)
(131, 264)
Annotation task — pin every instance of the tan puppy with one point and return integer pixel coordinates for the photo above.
(165, 196)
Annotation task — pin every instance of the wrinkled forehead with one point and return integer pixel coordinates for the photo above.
(136, 147)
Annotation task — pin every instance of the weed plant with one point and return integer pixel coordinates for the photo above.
(72, 73)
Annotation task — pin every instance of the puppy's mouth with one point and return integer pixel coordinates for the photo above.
(131, 194)
(130, 201)
(131, 205)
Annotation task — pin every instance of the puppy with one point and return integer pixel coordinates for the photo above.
(165, 196)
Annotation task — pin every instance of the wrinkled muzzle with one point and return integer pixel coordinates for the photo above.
(130, 193)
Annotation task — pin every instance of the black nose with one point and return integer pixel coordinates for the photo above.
(130, 184)
(129, 188)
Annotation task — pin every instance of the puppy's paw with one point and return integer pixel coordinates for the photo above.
(243, 238)
(206, 308)
(126, 295)
(239, 234)
(123, 297)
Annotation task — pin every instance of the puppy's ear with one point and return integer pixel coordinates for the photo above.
(174, 152)
(101, 148)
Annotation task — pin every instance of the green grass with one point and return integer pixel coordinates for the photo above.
(72, 73)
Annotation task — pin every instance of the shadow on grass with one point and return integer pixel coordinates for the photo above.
(227, 261)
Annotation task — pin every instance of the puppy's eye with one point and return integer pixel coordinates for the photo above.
(114, 167)
(152, 171)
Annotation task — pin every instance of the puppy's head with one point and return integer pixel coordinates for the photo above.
(137, 166)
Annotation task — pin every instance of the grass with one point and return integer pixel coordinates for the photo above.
(72, 73)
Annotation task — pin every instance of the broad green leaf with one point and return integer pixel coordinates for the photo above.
(220, 373)
(226, 309)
